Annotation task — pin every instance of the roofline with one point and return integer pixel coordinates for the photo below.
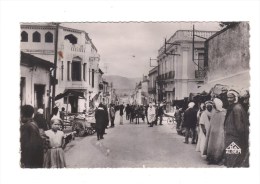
(52, 26)
(185, 40)
(33, 60)
(223, 30)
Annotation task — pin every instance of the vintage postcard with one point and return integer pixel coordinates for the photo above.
(111, 87)
(163, 97)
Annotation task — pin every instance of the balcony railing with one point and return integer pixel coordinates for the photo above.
(200, 74)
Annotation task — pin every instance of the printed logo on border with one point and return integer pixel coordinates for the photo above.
(233, 149)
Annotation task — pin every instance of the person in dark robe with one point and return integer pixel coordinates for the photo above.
(127, 110)
(32, 144)
(160, 113)
(106, 119)
(100, 116)
(236, 128)
(132, 113)
(190, 120)
(137, 114)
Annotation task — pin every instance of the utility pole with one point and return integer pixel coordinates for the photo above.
(55, 64)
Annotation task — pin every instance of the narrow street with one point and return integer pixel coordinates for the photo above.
(133, 146)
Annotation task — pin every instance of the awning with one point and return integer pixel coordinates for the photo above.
(71, 92)
(96, 96)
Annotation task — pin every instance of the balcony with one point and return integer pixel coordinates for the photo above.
(200, 74)
(73, 48)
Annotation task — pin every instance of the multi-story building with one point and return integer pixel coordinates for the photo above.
(179, 71)
(152, 85)
(77, 62)
(140, 95)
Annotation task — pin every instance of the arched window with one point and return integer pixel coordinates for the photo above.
(36, 37)
(49, 37)
(24, 36)
(73, 39)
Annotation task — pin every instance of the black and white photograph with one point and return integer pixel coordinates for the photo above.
(139, 99)
(119, 97)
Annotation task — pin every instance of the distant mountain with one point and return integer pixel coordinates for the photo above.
(122, 83)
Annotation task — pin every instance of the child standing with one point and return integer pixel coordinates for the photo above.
(54, 157)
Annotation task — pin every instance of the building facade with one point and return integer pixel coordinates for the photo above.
(77, 62)
(181, 68)
(35, 81)
(152, 85)
(140, 95)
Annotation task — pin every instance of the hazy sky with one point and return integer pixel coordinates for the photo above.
(125, 48)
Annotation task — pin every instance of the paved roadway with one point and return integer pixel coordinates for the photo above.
(133, 146)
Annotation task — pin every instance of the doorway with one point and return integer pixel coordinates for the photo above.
(22, 91)
(39, 91)
(73, 100)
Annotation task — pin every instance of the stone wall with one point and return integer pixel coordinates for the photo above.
(228, 52)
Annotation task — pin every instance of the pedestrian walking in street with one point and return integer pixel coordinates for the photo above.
(151, 114)
(177, 116)
(190, 120)
(127, 110)
(160, 113)
(106, 119)
(214, 144)
(32, 144)
(204, 126)
(112, 114)
(121, 113)
(156, 112)
(145, 112)
(137, 114)
(132, 113)
(100, 117)
(236, 132)
(54, 157)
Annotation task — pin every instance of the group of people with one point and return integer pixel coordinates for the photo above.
(221, 134)
(42, 144)
(135, 112)
(150, 113)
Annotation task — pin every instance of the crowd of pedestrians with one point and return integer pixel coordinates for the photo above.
(220, 134)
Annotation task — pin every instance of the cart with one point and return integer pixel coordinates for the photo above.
(84, 126)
